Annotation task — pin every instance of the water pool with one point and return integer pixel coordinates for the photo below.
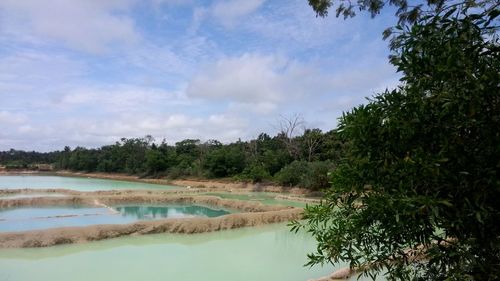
(22, 219)
(74, 183)
(267, 253)
(177, 211)
(264, 253)
(263, 197)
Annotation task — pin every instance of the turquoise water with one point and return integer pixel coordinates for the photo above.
(269, 253)
(22, 219)
(263, 197)
(74, 183)
(265, 253)
(159, 212)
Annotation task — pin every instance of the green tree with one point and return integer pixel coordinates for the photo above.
(155, 161)
(417, 194)
(292, 174)
(256, 172)
(225, 161)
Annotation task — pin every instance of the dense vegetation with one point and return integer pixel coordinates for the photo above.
(417, 194)
(303, 160)
(18, 159)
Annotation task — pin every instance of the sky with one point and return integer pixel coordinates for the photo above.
(89, 72)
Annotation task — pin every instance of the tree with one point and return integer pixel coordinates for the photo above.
(225, 161)
(311, 175)
(155, 161)
(311, 140)
(288, 127)
(408, 13)
(417, 194)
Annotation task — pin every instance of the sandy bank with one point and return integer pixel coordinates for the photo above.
(253, 213)
(19, 172)
(197, 183)
(69, 235)
(92, 200)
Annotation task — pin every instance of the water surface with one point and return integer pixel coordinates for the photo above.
(266, 198)
(172, 211)
(268, 253)
(22, 219)
(74, 183)
(265, 253)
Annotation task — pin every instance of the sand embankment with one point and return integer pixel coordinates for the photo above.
(224, 185)
(253, 213)
(69, 235)
(19, 172)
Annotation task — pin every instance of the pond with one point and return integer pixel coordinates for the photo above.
(73, 183)
(266, 198)
(268, 253)
(23, 219)
(264, 253)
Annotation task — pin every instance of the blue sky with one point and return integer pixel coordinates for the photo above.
(88, 72)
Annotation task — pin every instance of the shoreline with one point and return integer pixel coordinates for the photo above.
(220, 185)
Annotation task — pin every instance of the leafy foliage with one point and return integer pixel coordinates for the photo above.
(256, 160)
(312, 175)
(18, 159)
(417, 194)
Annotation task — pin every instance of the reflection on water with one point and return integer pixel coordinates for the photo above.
(22, 219)
(159, 212)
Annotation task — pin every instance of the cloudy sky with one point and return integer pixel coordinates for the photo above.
(88, 72)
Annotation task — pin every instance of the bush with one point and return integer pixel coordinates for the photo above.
(255, 172)
(311, 175)
(317, 175)
(292, 174)
(178, 172)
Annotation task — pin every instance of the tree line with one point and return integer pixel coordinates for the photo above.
(304, 160)
(19, 159)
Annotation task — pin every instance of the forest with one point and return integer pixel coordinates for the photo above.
(304, 160)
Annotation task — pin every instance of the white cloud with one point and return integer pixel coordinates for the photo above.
(173, 128)
(89, 25)
(294, 25)
(120, 98)
(9, 118)
(31, 68)
(229, 12)
(94, 131)
(265, 84)
(173, 2)
(248, 79)
(220, 73)
(199, 14)
(29, 79)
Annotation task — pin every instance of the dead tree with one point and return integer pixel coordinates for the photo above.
(289, 128)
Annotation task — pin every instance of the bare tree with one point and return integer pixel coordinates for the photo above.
(311, 140)
(289, 127)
